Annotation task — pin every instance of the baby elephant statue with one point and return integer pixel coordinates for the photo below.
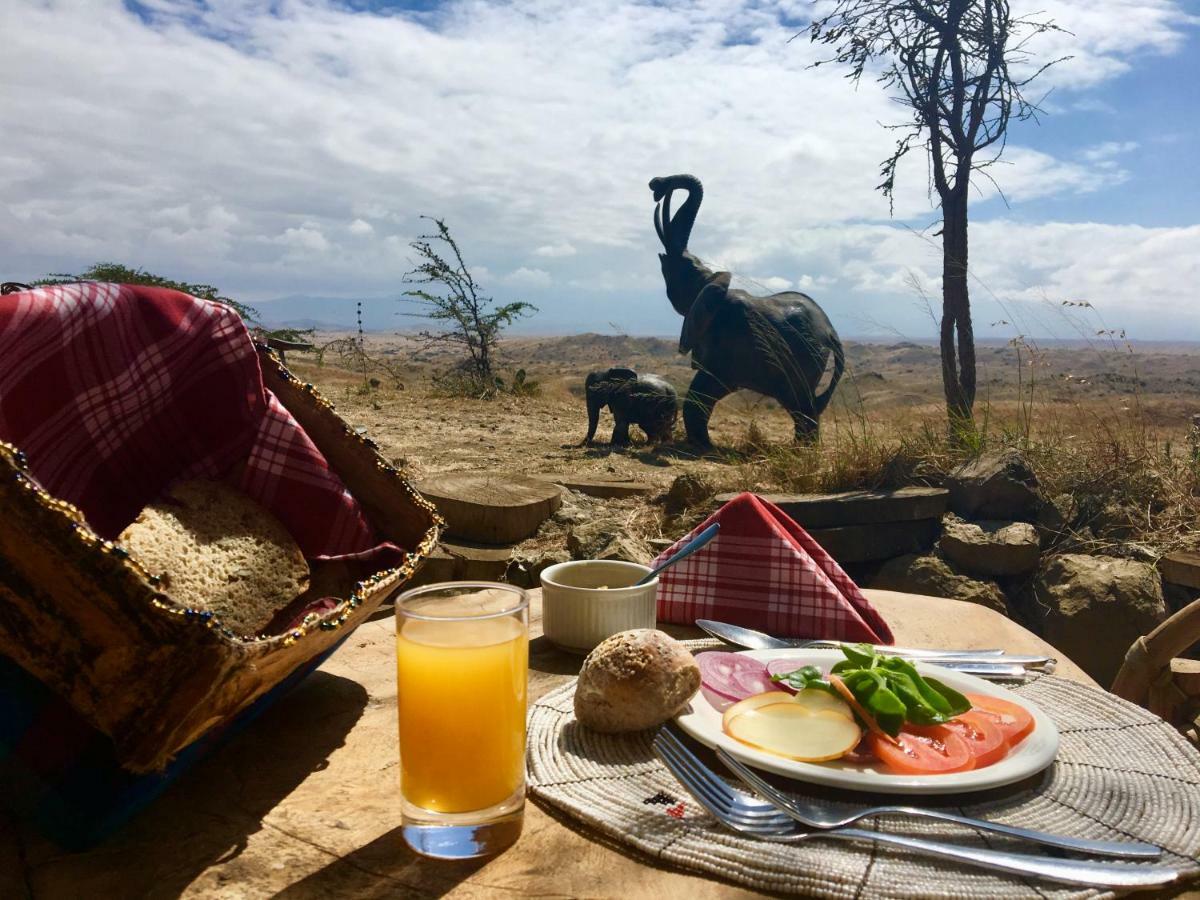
(644, 400)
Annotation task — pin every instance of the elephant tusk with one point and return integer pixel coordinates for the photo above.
(658, 225)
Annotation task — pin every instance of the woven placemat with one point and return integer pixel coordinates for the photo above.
(1120, 772)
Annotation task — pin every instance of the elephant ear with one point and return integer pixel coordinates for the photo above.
(704, 310)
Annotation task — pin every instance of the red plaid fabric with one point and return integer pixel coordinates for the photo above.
(114, 391)
(764, 571)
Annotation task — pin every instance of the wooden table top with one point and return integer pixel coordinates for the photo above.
(304, 803)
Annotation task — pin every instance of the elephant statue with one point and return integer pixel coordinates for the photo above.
(644, 400)
(777, 345)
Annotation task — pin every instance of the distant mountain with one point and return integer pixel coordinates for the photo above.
(333, 313)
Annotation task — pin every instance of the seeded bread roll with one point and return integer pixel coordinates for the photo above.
(216, 549)
(634, 680)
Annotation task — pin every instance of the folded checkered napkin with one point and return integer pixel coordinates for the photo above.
(764, 571)
(114, 391)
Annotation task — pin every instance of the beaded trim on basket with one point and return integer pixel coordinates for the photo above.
(93, 543)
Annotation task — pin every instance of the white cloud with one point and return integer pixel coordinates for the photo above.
(555, 251)
(307, 238)
(1104, 37)
(529, 125)
(763, 284)
(1105, 151)
(524, 277)
(1133, 275)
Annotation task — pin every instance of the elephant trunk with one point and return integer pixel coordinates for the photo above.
(680, 228)
(839, 366)
(594, 403)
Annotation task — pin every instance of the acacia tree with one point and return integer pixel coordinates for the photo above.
(960, 67)
(474, 322)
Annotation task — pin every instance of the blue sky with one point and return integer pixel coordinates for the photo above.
(284, 151)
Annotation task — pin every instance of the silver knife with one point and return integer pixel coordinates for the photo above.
(757, 640)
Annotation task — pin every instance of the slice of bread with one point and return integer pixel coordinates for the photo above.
(216, 549)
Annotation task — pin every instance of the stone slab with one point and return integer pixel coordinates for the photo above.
(1181, 568)
(908, 504)
(606, 490)
(871, 543)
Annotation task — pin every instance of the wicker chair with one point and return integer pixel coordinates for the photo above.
(1156, 677)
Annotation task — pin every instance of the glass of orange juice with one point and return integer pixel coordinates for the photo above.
(462, 662)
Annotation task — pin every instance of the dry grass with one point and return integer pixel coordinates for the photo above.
(1106, 430)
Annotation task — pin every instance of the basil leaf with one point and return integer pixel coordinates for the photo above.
(873, 694)
(958, 703)
(804, 678)
(862, 655)
(929, 694)
(918, 710)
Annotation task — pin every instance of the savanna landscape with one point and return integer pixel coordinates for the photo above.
(1106, 421)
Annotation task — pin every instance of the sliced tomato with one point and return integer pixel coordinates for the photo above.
(1014, 720)
(929, 750)
(984, 738)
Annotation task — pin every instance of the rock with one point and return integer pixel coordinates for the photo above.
(1055, 517)
(603, 488)
(1134, 550)
(867, 543)
(996, 485)
(1094, 607)
(1117, 521)
(576, 509)
(606, 540)
(909, 504)
(526, 566)
(990, 547)
(686, 491)
(931, 575)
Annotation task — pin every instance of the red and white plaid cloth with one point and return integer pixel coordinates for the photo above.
(114, 391)
(764, 571)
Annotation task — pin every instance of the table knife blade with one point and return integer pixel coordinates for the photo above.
(757, 640)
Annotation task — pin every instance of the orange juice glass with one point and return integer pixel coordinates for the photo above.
(462, 663)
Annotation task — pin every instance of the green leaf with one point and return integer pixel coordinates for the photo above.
(862, 655)
(803, 679)
(872, 693)
(957, 702)
(918, 709)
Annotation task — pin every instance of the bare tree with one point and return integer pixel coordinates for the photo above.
(960, 67)
(474, 322)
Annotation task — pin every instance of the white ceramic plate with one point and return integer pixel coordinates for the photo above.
(703, 722)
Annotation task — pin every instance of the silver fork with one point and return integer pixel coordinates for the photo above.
(812, 814)
(751, 817)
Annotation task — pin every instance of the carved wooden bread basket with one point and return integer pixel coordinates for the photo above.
(88, 622)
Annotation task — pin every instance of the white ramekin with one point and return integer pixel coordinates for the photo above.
(577, 613)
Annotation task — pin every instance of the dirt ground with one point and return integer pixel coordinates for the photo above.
(889, 390)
